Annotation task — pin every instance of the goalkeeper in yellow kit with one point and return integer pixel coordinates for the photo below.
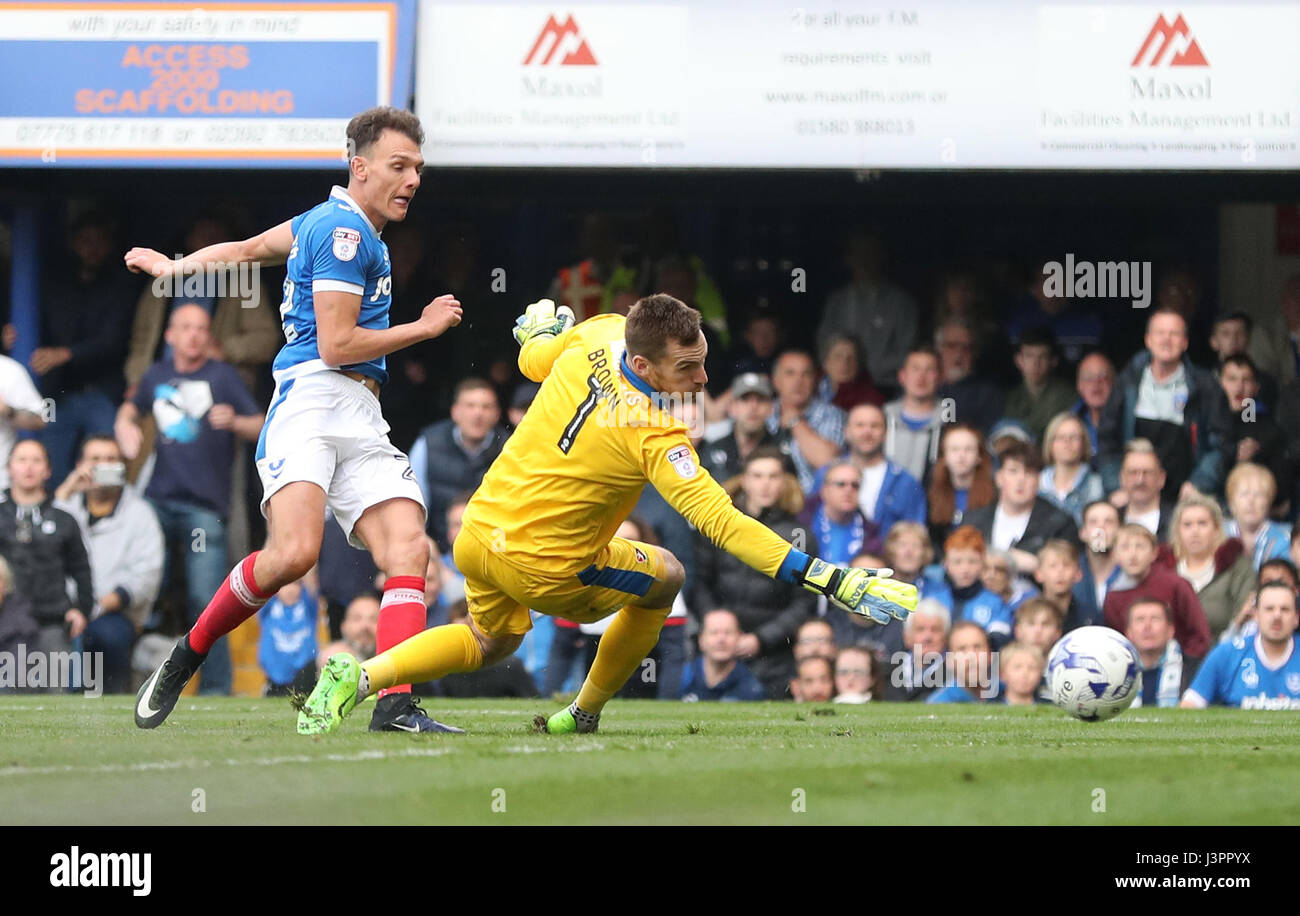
(538, 532)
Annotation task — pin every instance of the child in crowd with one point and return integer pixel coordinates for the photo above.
(1057, 574)
(1038, 624)
(963, 591)
(1021, 668)
(1135, 548)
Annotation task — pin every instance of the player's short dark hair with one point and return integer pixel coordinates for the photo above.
(1028, 456)
(473, 383)
(364, 129)
(657, 319)
(1147, 599)
(97, 437)
(1241, 361)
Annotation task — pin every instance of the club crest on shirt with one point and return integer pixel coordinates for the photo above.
(1293, 682)
(641, 558)
(346, 243)
(682, 462)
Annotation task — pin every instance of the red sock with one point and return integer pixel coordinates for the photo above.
(402, 614)
(236, 601)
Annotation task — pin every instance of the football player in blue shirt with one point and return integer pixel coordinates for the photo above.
(1262, 672)
(325, 441)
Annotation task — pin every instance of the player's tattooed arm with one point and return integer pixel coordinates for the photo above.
(269, 248)
(342, 343)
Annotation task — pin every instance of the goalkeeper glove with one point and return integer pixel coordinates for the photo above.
(869, 592)
(542, 319)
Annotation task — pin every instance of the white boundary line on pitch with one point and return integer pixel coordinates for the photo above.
(358, 757)
(552, 748)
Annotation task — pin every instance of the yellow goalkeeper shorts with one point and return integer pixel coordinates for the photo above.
(500, 594)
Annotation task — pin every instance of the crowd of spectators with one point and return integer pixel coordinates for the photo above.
(988, 448)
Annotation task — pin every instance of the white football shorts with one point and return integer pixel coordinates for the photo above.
(328, 429)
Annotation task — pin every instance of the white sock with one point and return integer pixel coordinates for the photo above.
(586, 721)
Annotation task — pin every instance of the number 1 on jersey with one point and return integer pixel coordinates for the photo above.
(580, 416)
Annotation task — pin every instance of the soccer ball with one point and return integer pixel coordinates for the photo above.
(1093, 673)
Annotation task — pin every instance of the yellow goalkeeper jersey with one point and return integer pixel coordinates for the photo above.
(575, 467)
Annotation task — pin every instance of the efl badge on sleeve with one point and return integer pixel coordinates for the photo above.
(346, 243)
(682, 462)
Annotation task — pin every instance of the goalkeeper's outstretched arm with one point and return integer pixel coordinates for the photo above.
(673, 467)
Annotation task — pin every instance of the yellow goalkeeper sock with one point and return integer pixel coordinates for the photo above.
(425, 656)
(623, 646)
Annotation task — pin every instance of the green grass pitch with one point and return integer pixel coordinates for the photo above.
(70, 760)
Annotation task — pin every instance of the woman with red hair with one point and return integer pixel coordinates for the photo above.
(962, 480)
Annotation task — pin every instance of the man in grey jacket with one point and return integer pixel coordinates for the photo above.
(125, 543)
(914, 421)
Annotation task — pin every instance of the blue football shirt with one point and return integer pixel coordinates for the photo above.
(1235, 674)
(335, 248)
